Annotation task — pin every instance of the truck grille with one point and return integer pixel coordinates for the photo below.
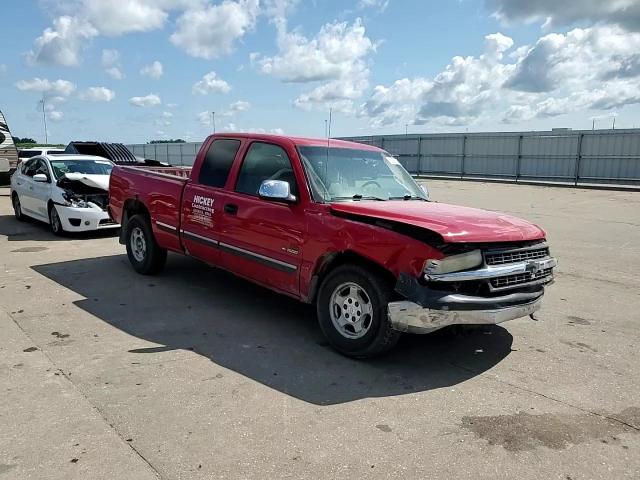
(515, 256)
(520, 279)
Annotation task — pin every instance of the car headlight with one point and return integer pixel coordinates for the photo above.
(453, 263)
(75, 202)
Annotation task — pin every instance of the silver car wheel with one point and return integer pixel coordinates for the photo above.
(351, 310)
(138, 244)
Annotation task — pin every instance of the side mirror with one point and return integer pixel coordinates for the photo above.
(40, 177)
(277, 191)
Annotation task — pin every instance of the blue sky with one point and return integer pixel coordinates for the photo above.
(136, 70)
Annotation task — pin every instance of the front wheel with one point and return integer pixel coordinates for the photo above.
(17, 208)
(352, 312)
(54, 221)
(144, 253)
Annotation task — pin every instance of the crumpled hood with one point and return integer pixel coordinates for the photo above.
(454, 223)
(95, 181)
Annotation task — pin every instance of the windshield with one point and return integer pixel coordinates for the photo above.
(88, 167)
(338, 174)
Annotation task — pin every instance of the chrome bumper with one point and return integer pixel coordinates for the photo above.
(410, 317)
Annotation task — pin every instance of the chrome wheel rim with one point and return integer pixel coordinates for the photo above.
(138, 244)
(55, 220)
(350, 310)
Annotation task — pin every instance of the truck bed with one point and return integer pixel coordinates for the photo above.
(159, 189)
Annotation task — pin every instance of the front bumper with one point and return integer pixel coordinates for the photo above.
(410, 317)
(84, 219)
(426, 310)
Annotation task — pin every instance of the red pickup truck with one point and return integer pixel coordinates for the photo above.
(339, 224)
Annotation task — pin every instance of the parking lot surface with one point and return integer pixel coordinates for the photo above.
(197, 374)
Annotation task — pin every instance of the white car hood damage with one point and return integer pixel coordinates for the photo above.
(95, 181)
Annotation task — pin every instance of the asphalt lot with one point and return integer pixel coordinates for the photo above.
(196, 374)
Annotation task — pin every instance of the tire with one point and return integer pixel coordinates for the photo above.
(17, 207)
(54, 222)
(352, 292)
(145, 255)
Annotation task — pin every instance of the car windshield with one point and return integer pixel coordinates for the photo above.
(88, 167)
(342, 174)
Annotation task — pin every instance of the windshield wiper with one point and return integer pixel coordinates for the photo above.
(409, 197)
(359, 196)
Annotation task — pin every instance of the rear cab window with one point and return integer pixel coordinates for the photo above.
(28, 153)
(218, 161)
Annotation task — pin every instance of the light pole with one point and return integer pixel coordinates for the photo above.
(44, 120)
(213, 121)
(406, 129)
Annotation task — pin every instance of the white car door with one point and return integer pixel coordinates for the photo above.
(41, 191)
(22, 182)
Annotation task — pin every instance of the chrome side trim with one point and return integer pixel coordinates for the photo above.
(199, 238)
(166, 226)
(287, 267)
(488, 272)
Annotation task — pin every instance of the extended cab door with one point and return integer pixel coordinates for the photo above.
(260, 239)
(202, 199)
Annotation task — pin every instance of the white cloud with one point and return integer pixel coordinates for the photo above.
(336, 57)
(115, 73)
(119, 17)
(55, 115)
(236, 107)
(153, 71)
(210, 83)
(150, 100)
(3, 69)
(97, 94)
(167, 114)
(554, 13)
(57, 87)
(209, 31)
(111, 64)
(204, 118)
(62, 44)
(380, 5)
(592, 69)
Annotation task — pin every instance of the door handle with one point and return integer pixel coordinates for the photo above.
(231, 208)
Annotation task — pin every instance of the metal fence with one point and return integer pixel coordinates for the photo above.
(567, 156)
(178, 154)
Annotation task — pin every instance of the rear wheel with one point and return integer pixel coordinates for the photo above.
(144, 253)
(17, 208)
(54, 221)
(352, 312)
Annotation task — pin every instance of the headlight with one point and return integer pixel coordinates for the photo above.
(454, 263)
(74, 201)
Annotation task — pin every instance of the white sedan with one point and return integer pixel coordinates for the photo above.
(69, 192)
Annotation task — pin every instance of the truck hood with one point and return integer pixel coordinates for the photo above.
(100, 182)
(453, 223)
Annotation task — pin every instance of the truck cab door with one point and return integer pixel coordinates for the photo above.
(260, 239)
(202, 201)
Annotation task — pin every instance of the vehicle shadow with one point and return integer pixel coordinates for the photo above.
(31, 229)
(264, 336)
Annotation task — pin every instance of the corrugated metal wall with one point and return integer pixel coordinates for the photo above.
(576, 157)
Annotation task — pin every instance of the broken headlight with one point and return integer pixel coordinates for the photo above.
(453, 263)
(75, 201)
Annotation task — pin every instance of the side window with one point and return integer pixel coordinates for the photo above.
(41, 167)
(29, 168)
(218, 161)
(265, 162)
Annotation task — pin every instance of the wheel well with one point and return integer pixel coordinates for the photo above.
(333, 260)
(132, 207)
